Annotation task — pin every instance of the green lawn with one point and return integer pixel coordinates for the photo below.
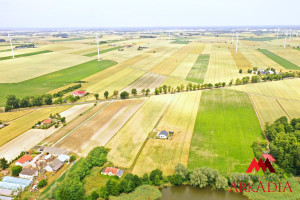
(281, 61)
(180, 41)
(225, 128)
(51, 81)
(25, 54)
(102, 51)
(198, 70)
(94, 180)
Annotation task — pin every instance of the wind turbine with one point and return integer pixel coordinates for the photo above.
(169, 35)
(232, 37)
(12, 49)
(290, 36)
(237, 42)
(277, 32)
(98, 47)
(284, 41)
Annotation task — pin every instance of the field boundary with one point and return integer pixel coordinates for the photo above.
(287, 114)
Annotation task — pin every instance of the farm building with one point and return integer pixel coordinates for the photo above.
(79, 93)
(63, 158)
(268, 156)
(54, 165)
(24, 160)
(5, 198)
(12, 183)
(163, 134)
(55, 151)
(46, 121)
(111, 171)
(28, 173)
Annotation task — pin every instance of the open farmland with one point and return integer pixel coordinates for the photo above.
(221, 67)
(51, 81)
(199, 68)
(291, 55)
(290, 107)
(166, 154)
(283, 62)
(183, 69)
(102, 51)
(9, 116)
(22, 124)
(98, 130)
(127, 143)
(147, 81)
(240, 60)
(25, 55)
(225, 129)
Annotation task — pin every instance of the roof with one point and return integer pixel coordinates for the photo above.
(269, 156)
(79, 92)
(28, 172)
(120, 173)
(110, 170)
(5, 198)
(24, 159)
(47, 121)
(55, 151)
(164, 132)
(63, 157)
(5, 192)
(11, 186)
(20, 181)
(56, 164)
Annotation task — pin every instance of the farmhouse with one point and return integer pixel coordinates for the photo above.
(46, 121)
(163, 134)
(54, 165)
(79, 93)
(24, 160)
(111, 171)
(28, 173)
(269, 156)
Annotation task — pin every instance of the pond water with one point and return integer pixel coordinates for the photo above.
(191, 193)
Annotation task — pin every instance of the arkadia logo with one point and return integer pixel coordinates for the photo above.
(248, 187)
(260, 164)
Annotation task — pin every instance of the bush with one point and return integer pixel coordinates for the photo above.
(15, 170)
(72, 158)
(42, 183)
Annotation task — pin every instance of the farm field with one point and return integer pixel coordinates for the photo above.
(225, 128)
(51, 81)
(221, 67)
(184, 67)
(127, 143)
(291, 55)
(25, 123)
(283, 62)
(198, 71)
(240, 60)
(291, 107)
(166, 154)
(102, 51)
(147, 81)
(9, 116)
(25, 55)
(101, 127)
(25, 68)
(285, 89)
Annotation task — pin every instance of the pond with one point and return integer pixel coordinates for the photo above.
(191, 193)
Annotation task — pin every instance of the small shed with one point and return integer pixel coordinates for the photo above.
(163, 134)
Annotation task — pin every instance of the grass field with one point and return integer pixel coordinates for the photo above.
(25, 123)
(51, 81)
(94, 180)
(225, 128)
(70, 39)
(180, 41)
(166, 154)
(128, 141)
(25, 55)
(261, 39)
(283, 62)
(199, 68)
(102, 51)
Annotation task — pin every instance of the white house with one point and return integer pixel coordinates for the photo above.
(163, 134)
(63, 158)
(28, 173)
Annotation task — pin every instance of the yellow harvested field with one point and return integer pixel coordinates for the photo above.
(18, 51)
(117, 81)
(147, 81)
(166, 154)
(101, 127)
(267, 107)
(174, 82)
(207, 49)
(74, 111)
(240, 60)
(184, 67)
(20, 69)
(20, 125)
(221, 67)
(9, 116)
(291, 107)
(284, 89)
(127, 143)
(170, 63)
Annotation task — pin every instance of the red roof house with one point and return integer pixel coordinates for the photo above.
(79, 93)
(268, 156)
(47, 121)
(24, 160)
(111, 171)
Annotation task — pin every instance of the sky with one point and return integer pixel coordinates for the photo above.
(145, 13)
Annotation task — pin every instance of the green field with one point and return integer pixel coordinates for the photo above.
(180, 41)
(5, 50)
(261, 39)
(70, 39)
(25, 54)
(197, 73)
(102, 51)
(224, 131)
(51, 81)
(281, 61)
